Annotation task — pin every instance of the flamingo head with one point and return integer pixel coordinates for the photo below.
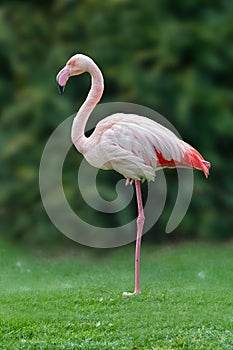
(76, 65)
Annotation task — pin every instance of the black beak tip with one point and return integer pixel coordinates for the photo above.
(60, 88)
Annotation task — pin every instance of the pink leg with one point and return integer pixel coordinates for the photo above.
(140, 222)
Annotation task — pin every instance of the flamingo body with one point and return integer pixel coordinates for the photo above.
(137, 147)
(133, 145)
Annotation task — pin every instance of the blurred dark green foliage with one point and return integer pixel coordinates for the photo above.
(172, 56)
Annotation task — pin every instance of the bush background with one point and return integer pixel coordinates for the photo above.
(174, 57)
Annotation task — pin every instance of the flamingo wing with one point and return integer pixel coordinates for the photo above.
(137, 147)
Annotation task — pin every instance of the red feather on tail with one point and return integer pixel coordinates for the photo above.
(191, 159)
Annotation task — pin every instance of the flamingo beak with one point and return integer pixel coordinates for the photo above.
(62, 78)
(60, 88)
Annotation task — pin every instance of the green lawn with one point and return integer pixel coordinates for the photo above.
(74, 300)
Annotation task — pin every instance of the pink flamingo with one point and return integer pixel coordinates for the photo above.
(133, 145)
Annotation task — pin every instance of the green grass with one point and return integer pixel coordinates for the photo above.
(74, 300)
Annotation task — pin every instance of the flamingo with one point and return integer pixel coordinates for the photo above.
(133, 145)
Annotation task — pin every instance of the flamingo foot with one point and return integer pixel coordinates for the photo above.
(128, 182)
(129, 294)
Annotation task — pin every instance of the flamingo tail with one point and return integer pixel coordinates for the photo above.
(196, 161)
(190, 159)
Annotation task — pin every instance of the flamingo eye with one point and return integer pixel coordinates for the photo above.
(71, 63)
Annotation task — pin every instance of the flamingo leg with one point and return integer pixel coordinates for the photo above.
(140, 223)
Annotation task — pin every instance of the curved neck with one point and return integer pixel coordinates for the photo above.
(81, 118)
